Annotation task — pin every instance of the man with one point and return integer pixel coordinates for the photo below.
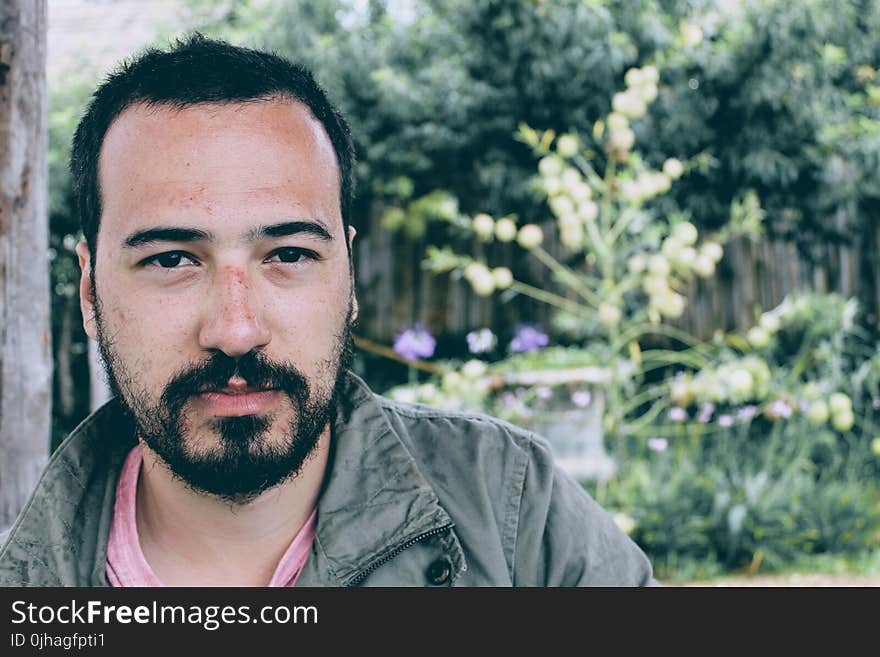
(214, 185)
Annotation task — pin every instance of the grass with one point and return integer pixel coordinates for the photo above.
(709, 572)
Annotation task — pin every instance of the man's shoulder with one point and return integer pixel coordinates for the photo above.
(557, 530)
(472, 454)
(459, 432)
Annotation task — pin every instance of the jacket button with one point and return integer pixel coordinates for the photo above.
(438, 572)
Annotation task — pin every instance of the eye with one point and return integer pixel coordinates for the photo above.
(291, 254)
(170, 259)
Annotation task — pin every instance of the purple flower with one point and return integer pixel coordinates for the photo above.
(657, 444)
(581, 398)
(746, 413)
(677, 414)
(481, 341)
(779, 408)
(706, 412)
(875, 403)
(415, 342)
(543, 392)
(528, 338)
(725, 420)
(508, 400)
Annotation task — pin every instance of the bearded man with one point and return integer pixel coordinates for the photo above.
(214, 185)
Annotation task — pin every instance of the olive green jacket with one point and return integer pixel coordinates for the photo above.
(415, 496)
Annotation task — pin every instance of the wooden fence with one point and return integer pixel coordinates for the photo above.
(394, 290)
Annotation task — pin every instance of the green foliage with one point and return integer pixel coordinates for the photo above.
(785, 469)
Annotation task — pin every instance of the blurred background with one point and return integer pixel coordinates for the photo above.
(646, 230)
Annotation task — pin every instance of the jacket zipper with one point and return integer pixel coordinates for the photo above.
(361, 576)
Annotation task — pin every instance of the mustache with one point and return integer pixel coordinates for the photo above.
(214, 374)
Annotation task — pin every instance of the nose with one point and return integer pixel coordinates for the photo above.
(232, 322)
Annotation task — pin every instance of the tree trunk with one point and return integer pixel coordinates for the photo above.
(63, 371)
(25, 337)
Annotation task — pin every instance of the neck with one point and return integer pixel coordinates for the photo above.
(194, 539)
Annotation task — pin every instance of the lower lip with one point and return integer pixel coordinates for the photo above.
(247, 403)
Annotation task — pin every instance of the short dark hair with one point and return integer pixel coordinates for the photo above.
(192, 71)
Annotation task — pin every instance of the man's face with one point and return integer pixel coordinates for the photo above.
(223, 288)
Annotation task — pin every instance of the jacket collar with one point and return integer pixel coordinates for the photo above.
(60, 538)
(375, 501)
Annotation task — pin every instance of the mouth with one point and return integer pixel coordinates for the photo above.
(236, 400)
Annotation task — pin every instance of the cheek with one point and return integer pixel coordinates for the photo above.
(148, 337)
(309, 326)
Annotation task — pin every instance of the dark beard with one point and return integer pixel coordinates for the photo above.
(244, 464)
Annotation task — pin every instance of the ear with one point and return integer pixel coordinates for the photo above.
(86, 300)
(352, 231)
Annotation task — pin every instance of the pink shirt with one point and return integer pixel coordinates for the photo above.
(126, 564)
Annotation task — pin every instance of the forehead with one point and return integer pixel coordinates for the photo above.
(158, 157)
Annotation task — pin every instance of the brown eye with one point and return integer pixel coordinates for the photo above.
(291, 255)
(169, 259)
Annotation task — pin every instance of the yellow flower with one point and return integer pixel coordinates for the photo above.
(480, 278)
(658, 265)
(629, 103)
(636, 264)
(647, 92)
(670, 304)
(704, 266)
(686, 257)
(817, 412)
(691, 34)
(686, 233)
(503, 277)
(550, 165)
(567, 146)
(634, 77)
(650, 74)
(843, 421)
(758, 337)
(483, 226)
(622, 140)
(740, 383)
(588, 210)
(609, 314)
(451, 380)
(713, 251)
(840, 403)
(530, 236)
(505, 230)
(473, 369)
(673, 168)
(617, 121)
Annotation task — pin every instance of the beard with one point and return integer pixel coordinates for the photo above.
(245, 462)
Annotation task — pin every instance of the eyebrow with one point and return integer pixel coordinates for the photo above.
(141, 237)
(290, 228)
(177, 234)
